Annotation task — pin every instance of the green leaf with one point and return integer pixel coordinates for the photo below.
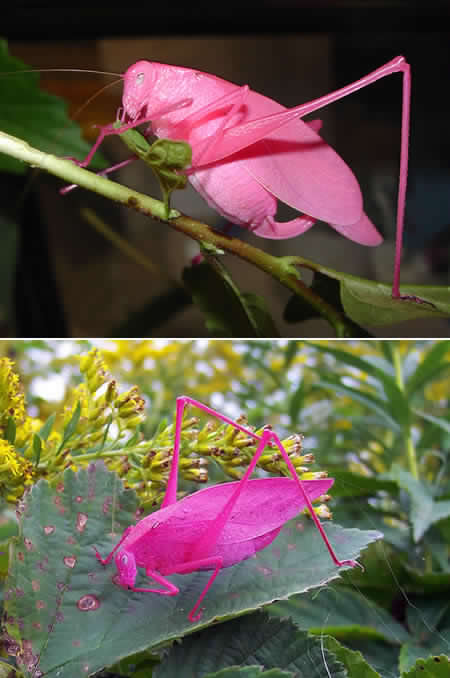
(10, 433)
(348, 484)
(71, 426)
(372, 402)
(246, 641)
(424, 511)
(37, 447)
(432, 667)
(411, 652)
(432, 365)
(37, 117)
(46, 429)
(342, 613)
(437, 421)
(8, 258)
(398, 403)
(228, 311)
(371, 303)
(353, 661)
(250, 672)
(53, 568)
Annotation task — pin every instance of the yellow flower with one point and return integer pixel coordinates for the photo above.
(11, 396)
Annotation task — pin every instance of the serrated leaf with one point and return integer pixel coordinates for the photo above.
(35, 116)
(53, 569)
(371, 303)
(342, 613)
(353, 661)
(411, 652)
(249, 640)
(228, 311)
(432, 667)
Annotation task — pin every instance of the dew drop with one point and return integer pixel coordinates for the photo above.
(88, 603)
(35, 585)
(28, 544)
(70, 561)
(40, 604)
(49, 529)
(81, 521)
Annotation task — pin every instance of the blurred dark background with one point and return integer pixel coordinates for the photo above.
(72, 282)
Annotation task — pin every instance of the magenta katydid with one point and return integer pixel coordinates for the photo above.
(218, 526)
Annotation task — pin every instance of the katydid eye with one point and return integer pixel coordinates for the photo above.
(140, 78)
(124, 559)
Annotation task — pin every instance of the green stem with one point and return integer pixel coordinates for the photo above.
(410, 449)
(281, 268)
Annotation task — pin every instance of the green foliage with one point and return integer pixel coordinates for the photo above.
(35, 116)
(227, 310)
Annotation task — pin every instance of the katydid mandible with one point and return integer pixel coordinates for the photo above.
(250, 151)
(218, 526)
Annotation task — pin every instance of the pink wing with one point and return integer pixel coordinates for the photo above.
(264, 505)
(290, 160)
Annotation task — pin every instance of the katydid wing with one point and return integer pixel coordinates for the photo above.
(216, 527)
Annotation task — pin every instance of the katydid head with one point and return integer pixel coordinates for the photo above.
(138, 85)
(126, 567)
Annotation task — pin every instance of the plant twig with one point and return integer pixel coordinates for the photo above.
(283, 269)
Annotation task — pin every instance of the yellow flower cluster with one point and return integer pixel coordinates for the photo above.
(16, 473)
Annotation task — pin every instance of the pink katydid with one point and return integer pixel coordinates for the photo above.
(249, 151)
(218, 526)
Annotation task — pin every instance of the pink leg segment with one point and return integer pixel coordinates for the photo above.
(193, 565)
(171, 589)
(266, 437)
